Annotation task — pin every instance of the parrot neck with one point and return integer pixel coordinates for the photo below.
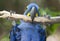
(22, 21)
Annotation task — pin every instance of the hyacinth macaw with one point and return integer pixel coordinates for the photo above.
(29, 31)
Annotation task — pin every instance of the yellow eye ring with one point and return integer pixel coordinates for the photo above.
(28, 14)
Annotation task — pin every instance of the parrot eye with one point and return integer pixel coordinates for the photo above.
(28, 14)
(36, 14)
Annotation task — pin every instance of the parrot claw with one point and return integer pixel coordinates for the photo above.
(48, 16)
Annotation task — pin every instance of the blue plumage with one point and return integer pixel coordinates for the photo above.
(29, 7)
(31, 32)
(27, 31)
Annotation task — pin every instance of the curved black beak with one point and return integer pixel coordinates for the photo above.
(33, 13)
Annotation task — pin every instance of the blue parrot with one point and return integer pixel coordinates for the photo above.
(29, 31)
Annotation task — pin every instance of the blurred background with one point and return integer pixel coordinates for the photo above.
(52, 7)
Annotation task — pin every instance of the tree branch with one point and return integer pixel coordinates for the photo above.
(6, 14)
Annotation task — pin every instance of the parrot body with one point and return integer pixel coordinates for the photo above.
(30, 32)
(27, 31)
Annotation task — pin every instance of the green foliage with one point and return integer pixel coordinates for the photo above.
(5, 27)
(52, 29)
(5, 38)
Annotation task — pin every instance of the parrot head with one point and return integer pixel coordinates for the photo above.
(32, 11)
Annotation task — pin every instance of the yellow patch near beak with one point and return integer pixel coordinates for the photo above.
(36, 14)
(28, 14)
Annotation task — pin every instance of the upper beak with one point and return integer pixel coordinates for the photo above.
(33, 12)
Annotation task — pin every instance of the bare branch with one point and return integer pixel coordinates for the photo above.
(6, 14)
